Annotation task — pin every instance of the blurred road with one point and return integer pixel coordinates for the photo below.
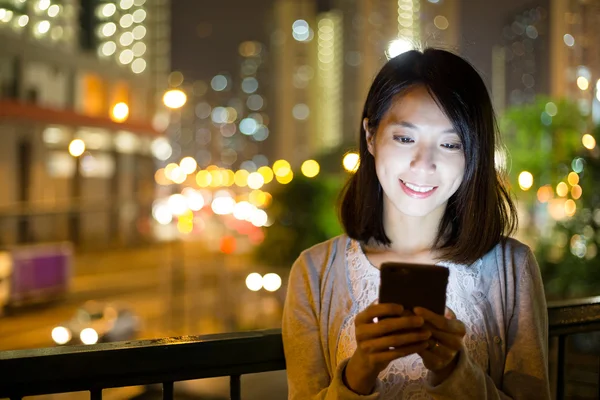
(175, 289)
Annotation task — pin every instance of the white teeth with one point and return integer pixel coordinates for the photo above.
(421, 189)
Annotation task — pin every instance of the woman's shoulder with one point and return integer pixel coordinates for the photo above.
(510, 253)
(319, 257)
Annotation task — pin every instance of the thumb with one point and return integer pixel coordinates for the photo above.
(449, 314)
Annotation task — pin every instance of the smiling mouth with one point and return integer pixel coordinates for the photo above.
(418, 188)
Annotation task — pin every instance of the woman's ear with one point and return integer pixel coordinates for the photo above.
(369, 136)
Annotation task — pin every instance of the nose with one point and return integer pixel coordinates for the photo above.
(423, 160)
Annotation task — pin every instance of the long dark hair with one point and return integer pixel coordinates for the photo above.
(481, 213)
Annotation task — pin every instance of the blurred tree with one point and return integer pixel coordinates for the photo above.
(304, 213)
(562, 206)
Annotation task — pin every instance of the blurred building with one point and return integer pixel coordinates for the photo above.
(574, 57)
(78, 85)
(550, 49)
(325, 55)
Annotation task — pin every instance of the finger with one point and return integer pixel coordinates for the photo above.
(377, 311)
(453, 341)
(384, 343)
(448, 313)
(433, 361)
(390, 355)
(440, 322)
(387, 326)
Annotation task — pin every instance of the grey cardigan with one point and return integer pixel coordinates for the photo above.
(318, 299)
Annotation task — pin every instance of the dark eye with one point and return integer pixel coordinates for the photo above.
(452, 146)
(403, 139)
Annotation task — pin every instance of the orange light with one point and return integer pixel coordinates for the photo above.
(227, 244)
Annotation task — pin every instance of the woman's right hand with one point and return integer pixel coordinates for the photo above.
(397, 335)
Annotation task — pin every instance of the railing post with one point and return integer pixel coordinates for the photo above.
(168, 388)
(560, 376)
(235, 387)
(96, 394)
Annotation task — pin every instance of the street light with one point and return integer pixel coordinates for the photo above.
(120, 112)
(397, 47)
(76, 147)
(174, 98)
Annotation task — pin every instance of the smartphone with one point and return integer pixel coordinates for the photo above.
(414, 285)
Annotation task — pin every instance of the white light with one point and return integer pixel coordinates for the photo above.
(248, 126)
(126, 4)
(61, 335)
(397, 47)
(139, 32)
(139, 15)
(195, 201)
(43, 5)
(259, 218)
(126, 56)
(255, 180)
(162, 214)
(161, 149)
(109, 29)
(188, 165)
(126, 20)
(108, 10)
(569, 40)
(300, 111)
(138, 66)
(53, 10)
(88, 336)
(139, 48)
(109, 48)
(5, 15)
(126, 39)
(243, 210)
(271, 282)
(300, 30)
(23, 20)
(77, 147)
(218, 83)
(177, 204)
(223, 205)
(43, 27)
(254, 282)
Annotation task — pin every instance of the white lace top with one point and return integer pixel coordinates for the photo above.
(403, 378)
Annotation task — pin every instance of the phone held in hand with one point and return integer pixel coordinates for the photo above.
(414, 285)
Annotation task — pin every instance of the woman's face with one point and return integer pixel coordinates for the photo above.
(419, 157)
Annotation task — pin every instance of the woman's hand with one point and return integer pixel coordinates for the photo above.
(446, 341)
(378, 343)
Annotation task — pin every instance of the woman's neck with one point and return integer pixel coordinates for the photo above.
(411, 235)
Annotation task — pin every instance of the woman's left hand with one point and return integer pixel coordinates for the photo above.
(445, 343)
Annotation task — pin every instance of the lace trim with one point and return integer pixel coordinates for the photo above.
(404, 377)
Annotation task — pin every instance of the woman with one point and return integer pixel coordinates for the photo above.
(426, 192)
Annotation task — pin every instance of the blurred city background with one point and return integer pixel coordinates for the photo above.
(163, 162)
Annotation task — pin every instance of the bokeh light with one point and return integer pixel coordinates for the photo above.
(525, 180)
(351, 161)
(254, 282)
(310, 168)
(281, 168)
(562, 189)
(76, 147)
(589, 142)
(174, 98)
(120, 112)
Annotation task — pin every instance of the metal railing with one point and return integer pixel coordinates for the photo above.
(567, 318)
(165, 361)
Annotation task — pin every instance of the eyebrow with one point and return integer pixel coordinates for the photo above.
(413, 126)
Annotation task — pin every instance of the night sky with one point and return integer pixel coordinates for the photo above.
(206, 34)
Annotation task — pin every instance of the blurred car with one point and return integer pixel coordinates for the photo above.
(98, 322)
